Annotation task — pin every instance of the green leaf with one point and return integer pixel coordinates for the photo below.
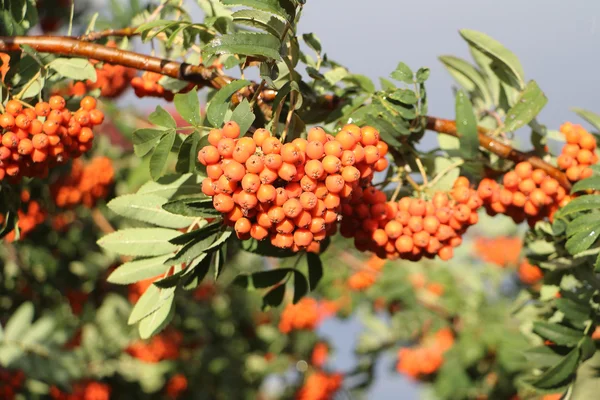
(573, 311)
(542, 356)
(193, 249)
(198, 274)
(264, 248)
(74, 68)
(597, 264)
(152, 299)
(135, 271)
(403, 73)
(500, 55)
(148, 208)
(19, 322)
(188, 153)
(198, 234)
(282, 8)
(530, 103)
(274, 297)
(188, 106)
(39, 332)
(300, 286)
(405, 96)
(315, 269)
(558, 334)
(466, 125)
(159, 157)
(145, 140)
(423, 74)
(158, 320)
(260, 19)
(560, 373)
(161, 117)
(262, 279)
(592, 183)
(446, 182)
(243, 115)
(586, 222)
(313, 42)
(590, 117)
(467, 76)
(581, 241)
(581, 203)
(245, 44)
(192, 208)
(170, 186)
(140, 241)
(219, 104)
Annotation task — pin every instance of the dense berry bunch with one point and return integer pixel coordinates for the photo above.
(292, 193)
(85, 390)
(10, 383)
(147, 86)
(86, 183)
(34, 139)
(428, 357)
(525, 194)
(161, 347)
(579, 152)
(502, 251)
(366, 277)
(112, 80)
(529, 274)
(411, 228)
(320, 386)
(29, 215)
(306, 314)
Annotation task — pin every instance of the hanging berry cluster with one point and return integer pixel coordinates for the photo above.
(425, 359)
(411, 228)
(12, 382)
(320, 386)
(292, 193)
(86, 184)
(112, 80)
(29, 215)
(147, 85)
(579, 152)
(35, 139)
(525, 194)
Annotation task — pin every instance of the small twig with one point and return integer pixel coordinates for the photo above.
(290, 115)
(412, 183)
(101, 221)
(257, 93)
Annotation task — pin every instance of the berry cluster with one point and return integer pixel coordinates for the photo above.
(411, 228)
(86, 183)
(292, 193)
(579, 152)
(307, 314)
(84, 390)
(112, 80)
(12, 381)
(147, 86)
(525, 194)
(320, 386)
(30, 215)
(176, 385)
(428, 357)
(161, 347)
(37, 138)
(529, 274)
(502, 251)
(366, 277)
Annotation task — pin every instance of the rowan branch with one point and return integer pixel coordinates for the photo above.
(72, 47)
(502, 150)
(125, 32)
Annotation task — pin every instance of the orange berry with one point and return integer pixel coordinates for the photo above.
(574, 173)
(308, 200)
(243, 225)
(292, 208)
(371, 154)
(315, 150)
(359, 153)
(96, 117)
(317, 225)
(421, 239)
(431, 224)
(303, 219)
(333, 148)
(461, 194)
(285, 226)
(526, 186)
(7, 121)
(88, 103)
(231, 130)
(417, 207)
(276, 214)
(381, 164)
(446, 253)
(523, 170)
(334, 183)
(214, 136)
(415, 223)
(588, 142)
(404, 244)
(539, 198)
(271, 145)
(266, 193)
(251, 183)
(571, 150)
(234, 171)
(13, 107)
(290, 153)
(287, 171)
(22, 121)
(224, 185)
(25, 147)
(50, 127)
(223, 203)
(303, 237)
(57, 103)
(550, 186)
(214, 171)
(207, 187)
(258, 232)
(281, 197)
(316, 134)
(39, 155)
(530, 208)
(586, 173)
(538, 176)
(370, 136)
(42, 109)
(583, 157)
(346, 140)
(10, 140)
(273, 161)
(519, 199)
(260, 135)
(254, 164)
(573, 136)
(267, 176)
(331, 201)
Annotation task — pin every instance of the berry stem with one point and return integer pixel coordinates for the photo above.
(502, 150)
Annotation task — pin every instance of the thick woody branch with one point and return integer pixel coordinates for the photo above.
(502, 150)
(66, 46)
